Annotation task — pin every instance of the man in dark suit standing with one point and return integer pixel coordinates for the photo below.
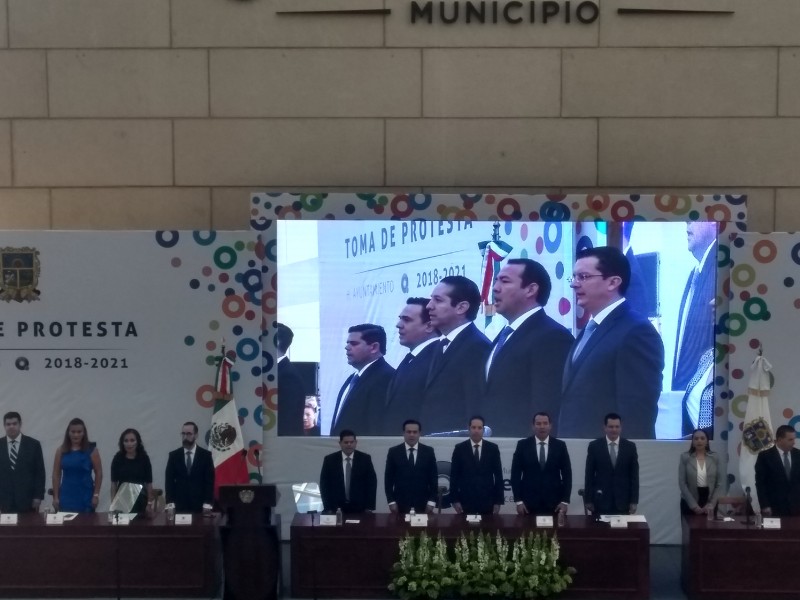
(612, 472)
(348, 479)
(362, 398)
(476, 474)
(189, 477)
(617, 361)
(455, 380)
(526, 362)
(411, 476)
(541, 472)
(695, 331)
(21, 468)
(778, 476)
(291, 392)
(404, 396)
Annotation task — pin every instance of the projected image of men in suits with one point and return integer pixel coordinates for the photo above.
(291, 394)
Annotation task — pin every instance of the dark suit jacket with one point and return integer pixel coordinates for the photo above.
(21, 486)
(454, 383)
(636, 293)
(291, 399)
(363, 483)
(774, 489)
(365, 403)
(612, 489)
(525, 376)
(541, 490)
(477, 485)
(405, 393)
(411, 486)
(189, 491)
(619, 370)
(699, 335)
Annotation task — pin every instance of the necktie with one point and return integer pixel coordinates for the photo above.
(411, 456)
(348, 471)
(438, 355)
(587, 333)
(13, 455)
(476, 452)
(612, 450)
(542, 457)
(501, 339)
(353, 383)
(787, 466)
(406, 360)
(189, 461)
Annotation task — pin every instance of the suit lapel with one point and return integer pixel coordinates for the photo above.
(571, 368)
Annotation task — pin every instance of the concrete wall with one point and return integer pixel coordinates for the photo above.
(149, 114)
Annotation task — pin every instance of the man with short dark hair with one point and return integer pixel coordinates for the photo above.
(291, 392)
(778, 476)
(347, 480)
(526, 363)
(616, 362)
(541, 472)
(406, 390)
(189, 477)
(612, 471)
(362, 398)
(411, 477)
(476, 473)
(455, 380)
(21, 468)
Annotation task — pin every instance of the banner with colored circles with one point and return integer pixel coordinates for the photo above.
(122, 329)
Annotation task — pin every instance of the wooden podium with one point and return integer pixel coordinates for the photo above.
(250, 542)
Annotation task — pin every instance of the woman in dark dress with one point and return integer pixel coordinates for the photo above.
(77, 460)
(132, 465)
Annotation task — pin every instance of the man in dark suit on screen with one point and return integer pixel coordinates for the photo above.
(541, 472)
(21, 468)
(411, 476)
(455, 380)
(404, 396)
(616, 362)
(189, 477)
(612, 472)
(291, 393)
(348, 479)
(362, 398)
(476, 474)
(526, 362)
(778, 476)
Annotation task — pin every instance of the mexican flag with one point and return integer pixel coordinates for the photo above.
(225, 439)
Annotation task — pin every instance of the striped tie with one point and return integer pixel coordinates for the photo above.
(13, 455)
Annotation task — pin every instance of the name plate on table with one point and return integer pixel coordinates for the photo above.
(55, 519)
(618, 522)
(473, 519)
(352, 521)
(544, 521)
(418, 520)
(327, 520)
(8, 519)
(183, 519)
(771, 523)
(125, 520)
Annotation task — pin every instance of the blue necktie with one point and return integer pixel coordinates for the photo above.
(587, 333)
(501, 339)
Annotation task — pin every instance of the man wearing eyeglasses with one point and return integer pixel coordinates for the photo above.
(189, 478)
(616, 362)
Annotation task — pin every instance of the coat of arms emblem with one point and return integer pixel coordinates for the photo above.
(20, 269)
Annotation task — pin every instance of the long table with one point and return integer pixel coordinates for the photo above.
(89, 557)
(734, 560)
(355, 560)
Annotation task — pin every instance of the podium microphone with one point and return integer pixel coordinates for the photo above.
(748, 506)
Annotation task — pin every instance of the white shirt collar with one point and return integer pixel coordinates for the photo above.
(523, 317)
(452, 335)
(598, 318)
(422, 345)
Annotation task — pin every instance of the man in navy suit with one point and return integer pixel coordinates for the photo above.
(778, 476)
(291, 393)
(406, 390)
(189, 477)
(617, 361)
(541, 472)
(526, 362)
(695, 331)
(21, 468)
(411, 477)
(362, 398)
(476, 473)
(348, 479)
(612, 472)
(455, 380)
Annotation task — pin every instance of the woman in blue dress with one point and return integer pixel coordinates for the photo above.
(74, 488)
